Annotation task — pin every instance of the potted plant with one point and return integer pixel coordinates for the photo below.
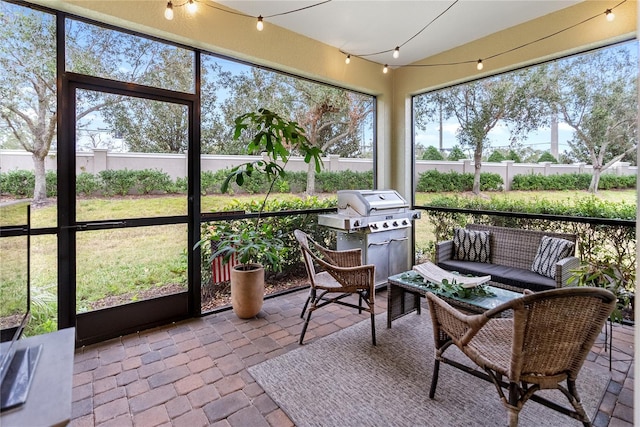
(258, 245)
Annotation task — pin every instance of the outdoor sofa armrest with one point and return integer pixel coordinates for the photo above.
(564, 270)
(444, 251)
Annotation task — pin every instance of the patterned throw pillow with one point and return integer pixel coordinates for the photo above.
(550, 251)
(471, 245)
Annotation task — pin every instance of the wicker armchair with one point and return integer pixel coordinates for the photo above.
(342, 274)
(544, 342)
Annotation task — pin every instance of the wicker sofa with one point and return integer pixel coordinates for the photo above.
(512, 253)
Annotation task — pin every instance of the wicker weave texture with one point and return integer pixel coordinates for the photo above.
(516, 247)
(545, 342)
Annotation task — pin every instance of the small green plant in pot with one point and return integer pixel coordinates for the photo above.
(257, 245)
(606, 274)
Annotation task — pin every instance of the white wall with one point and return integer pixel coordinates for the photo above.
(175, 165)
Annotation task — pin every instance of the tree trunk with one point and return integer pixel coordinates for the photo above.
(476, 173)
(311, 179)
(40, 188)
(595, 180)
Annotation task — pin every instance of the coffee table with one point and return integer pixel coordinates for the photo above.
(405, 289)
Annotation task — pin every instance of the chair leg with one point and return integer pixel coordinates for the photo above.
(434, 378)
(312, 296)
(574, 399)
(373, 327)
(306, 304)
(512, 407)
(304, 327)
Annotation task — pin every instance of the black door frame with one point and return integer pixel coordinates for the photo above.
(108, 323)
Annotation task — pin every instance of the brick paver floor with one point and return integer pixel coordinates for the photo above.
(194, 373)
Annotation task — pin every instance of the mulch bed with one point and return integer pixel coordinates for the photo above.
(213, 296)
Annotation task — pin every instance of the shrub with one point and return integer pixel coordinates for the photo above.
(284, 224)
(570, 181)
(18, 183)
(433, 181)
(119, 182)
(149, 180)
(329, 182)
(87, 184)
(51, 179)
(432, 153)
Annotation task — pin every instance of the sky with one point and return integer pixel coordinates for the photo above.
(499, 136)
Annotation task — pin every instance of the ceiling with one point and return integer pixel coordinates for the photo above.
(362, 27)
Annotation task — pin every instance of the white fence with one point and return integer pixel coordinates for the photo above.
(175, 165)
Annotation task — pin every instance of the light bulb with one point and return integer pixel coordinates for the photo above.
(192, 7)
(610, 15)
(385, 69)
(347, 59)
(480, 65)
(260, 24)
(396, 52)
(168, 12)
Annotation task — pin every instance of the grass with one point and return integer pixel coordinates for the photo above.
(121, 265)
(424, 233)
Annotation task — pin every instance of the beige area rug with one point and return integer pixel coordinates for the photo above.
(342, 380)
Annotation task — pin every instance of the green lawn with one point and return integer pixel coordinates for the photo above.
(115, 266)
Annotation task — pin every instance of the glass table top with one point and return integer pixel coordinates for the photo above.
(486, 298)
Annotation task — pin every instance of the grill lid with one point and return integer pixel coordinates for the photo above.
(370, 202)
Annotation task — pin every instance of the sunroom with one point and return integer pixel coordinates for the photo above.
(156, 361)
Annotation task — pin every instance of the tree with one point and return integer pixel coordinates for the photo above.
(479, 106)
(596, 95)
(547, 157)
(28, 83)
(496, 157)
(332, 118)
(432, 153)
(28, 75)
(456, 154)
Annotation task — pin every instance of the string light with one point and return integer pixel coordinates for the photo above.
(610, 15)
(168, 12)
(192, 7)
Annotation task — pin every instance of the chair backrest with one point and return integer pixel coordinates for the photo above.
(554, 330)
(303, 240)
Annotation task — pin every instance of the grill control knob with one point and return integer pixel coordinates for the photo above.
(405, 222)
(374, 226)
(356, 223)
(385, 225)
(395, 223)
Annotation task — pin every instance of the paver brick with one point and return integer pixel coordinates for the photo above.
(204, 395)
(151, 398)
(188, 384)
(249, 416)
(154, 416)
(109, 396)
(111, 410)
(195, 418)
(178, 406)
(226, 406)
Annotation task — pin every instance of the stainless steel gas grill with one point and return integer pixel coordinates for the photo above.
(378, 222)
